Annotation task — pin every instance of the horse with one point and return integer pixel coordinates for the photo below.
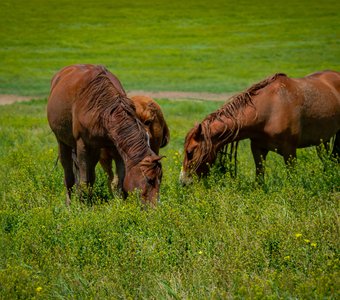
(277, 114)
(88, 110)
(151, 116)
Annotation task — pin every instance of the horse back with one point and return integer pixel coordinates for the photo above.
(302, 111)
(66, 87)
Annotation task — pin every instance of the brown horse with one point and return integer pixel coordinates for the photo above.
(277, 114)
(88, 110)
(150, 114)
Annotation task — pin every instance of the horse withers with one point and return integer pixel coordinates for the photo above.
(277, 114)
(88, 110)
(151, 116)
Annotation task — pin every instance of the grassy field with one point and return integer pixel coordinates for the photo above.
(215, 46)
(218, 239)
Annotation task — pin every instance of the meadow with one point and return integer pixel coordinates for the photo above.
(220, 238)
(214, 46)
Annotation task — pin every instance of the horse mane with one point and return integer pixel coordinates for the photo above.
(242, 99)
(229, 110)
(114, 113)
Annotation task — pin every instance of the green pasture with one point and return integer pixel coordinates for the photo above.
(214, 46)
(220, 238)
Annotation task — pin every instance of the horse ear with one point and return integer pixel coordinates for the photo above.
(198, 132)
(151, 159)
(166, 135)
(158, 158)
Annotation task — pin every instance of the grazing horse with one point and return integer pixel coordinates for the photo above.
(277, 114)
(88, 110)
(150, 114)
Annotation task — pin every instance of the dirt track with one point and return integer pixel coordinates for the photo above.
(8, 99)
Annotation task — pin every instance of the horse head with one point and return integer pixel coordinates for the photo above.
(198, 154)
(150, 114)
(145, 177)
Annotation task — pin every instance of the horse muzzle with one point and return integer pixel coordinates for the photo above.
(184, 178)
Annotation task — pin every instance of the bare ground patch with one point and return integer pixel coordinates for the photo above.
(9, 99)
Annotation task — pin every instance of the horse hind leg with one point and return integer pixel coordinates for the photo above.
(259, 155)
(336, 147)
(65, 156)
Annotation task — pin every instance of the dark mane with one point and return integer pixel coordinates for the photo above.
(112, 111)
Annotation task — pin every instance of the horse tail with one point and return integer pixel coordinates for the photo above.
(75, 165)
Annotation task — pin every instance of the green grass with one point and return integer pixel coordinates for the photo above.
(216, 46)
(217, 239)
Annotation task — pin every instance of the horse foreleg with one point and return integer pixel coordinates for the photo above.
(65, 156)
(106, 163)
(87, 160)
(259, 155)
(120, 170)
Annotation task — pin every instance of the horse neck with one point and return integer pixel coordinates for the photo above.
(227, 129)
(133, 147)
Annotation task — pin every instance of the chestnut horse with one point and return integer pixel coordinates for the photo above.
(277, 114)
(150, 114)
(88, 110)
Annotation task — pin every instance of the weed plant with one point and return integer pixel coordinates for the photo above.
(219, 238)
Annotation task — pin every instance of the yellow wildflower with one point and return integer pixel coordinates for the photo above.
(313, 245)
(38, 289)
(287, 257)
(298, 235)
(307, 241)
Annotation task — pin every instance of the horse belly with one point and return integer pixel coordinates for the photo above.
(315, 131)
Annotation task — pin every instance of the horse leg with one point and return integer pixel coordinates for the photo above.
(259, 155)
(87, 160)
(106, 163)
(336, 147)
(65, 156)
(120, 171)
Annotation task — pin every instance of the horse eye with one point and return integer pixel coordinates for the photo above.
(151, 181)
(189, 155)
(147, 122)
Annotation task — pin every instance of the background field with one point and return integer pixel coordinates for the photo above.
(220, 238)
(215, 46)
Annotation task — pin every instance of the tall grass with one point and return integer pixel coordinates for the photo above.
(216, 46)
(219, 238)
